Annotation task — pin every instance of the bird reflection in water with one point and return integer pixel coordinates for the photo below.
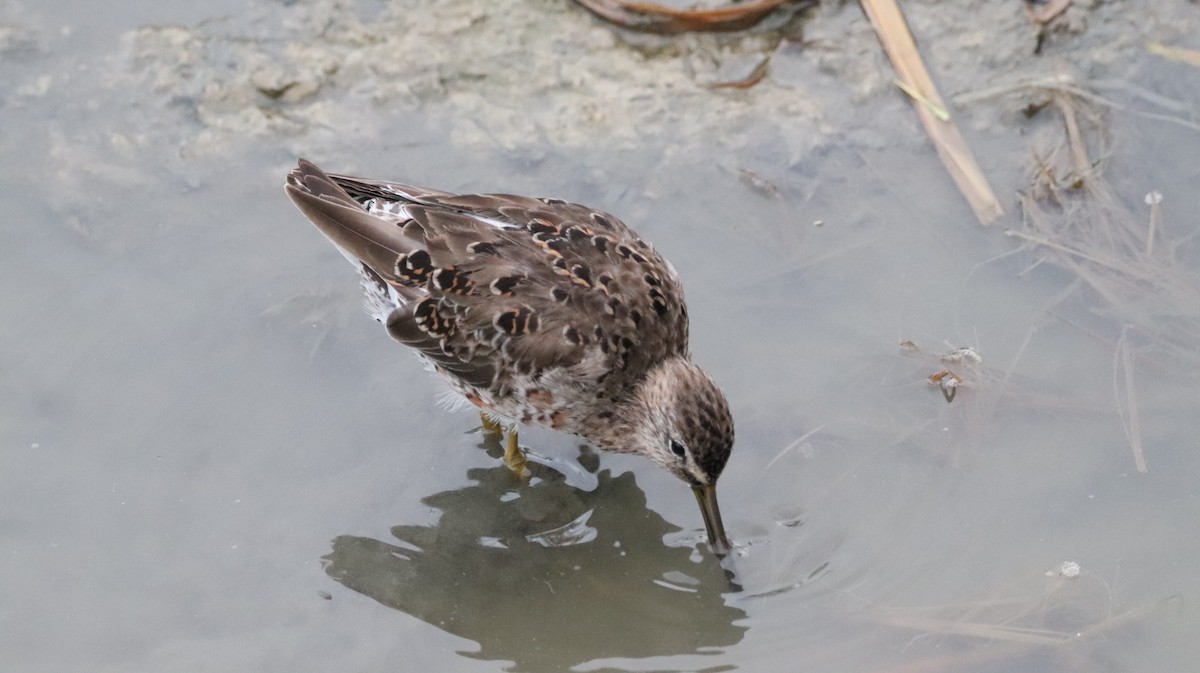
(546, 575)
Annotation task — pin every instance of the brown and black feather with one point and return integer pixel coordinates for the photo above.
(499, 290)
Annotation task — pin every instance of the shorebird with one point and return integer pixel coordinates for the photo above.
(537, 311)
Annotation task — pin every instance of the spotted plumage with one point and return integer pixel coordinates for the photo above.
(538, 311)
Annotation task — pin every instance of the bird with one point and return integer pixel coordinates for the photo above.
(539, 312)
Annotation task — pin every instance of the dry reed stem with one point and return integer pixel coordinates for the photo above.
(953, 627)
(1001, 621)
(1178, 54)
(898, 42)
(1083, 165)
(1074, 218)
(1128, 411)
(1076, 221)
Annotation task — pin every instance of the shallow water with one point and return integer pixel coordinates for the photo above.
(211, 460)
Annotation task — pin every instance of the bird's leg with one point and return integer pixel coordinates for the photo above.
(514, 457)
(490, 426)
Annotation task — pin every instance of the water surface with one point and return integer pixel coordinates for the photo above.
(212, 460)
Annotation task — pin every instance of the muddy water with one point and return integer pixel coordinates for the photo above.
(211, 460)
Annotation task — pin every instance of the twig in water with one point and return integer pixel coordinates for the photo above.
(1048, 12)
(1153, 199)
(1123, 360)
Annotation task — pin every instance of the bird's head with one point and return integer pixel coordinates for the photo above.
(679, 419)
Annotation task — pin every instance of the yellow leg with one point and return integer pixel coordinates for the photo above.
(490, 426)
(514, 457)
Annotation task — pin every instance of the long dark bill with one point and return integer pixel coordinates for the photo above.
(706, 496)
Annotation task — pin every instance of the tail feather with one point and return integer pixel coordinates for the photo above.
(360, 235)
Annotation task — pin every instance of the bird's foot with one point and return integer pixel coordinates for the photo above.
(514, 457)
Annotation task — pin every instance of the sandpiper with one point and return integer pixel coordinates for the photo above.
(537, 311)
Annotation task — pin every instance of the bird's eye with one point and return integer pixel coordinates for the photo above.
(677, 448)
